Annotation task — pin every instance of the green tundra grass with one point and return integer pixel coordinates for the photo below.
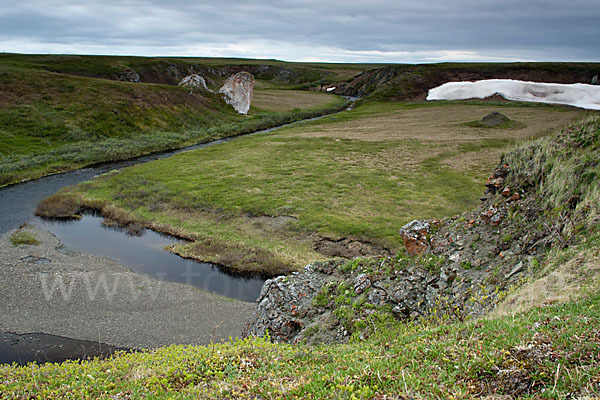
(59, 113)
(272, 202)
(542, 343)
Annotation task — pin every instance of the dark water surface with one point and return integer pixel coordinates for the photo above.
(143, 254)
(43, 348)
(146, 255)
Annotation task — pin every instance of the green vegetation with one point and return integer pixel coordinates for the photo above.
(570, 168)
(550, 352)
(20, 237)
(267, 200)
(63, 112)
(272, 197)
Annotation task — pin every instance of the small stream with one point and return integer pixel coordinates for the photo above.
(141, 254)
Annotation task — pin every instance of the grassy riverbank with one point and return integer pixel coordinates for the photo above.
(59, 113)
(339, 186)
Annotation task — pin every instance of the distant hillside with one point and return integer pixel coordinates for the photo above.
(63, 112)
(411, 82)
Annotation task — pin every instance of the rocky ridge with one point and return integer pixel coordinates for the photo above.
(456, 268)
(412, 82)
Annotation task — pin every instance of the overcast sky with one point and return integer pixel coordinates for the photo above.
(309, 30)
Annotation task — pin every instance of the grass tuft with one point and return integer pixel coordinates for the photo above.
(23, 238)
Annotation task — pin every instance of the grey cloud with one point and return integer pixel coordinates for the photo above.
(535, 26)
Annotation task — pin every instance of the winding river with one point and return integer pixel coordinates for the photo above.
(143, 254)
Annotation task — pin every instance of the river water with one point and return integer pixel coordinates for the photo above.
(144, 254)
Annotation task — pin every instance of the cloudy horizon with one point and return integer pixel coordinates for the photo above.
(381, 31)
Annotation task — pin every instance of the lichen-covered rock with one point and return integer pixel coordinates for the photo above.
(330, 301)
(193, 81)
(238, 90)
(415, 235)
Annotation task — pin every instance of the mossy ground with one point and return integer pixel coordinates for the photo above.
(360, 174)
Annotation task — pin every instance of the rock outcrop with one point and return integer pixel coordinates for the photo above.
(128, 76)
(415, 238)
(238, 90)
(456, 268)
(193, 81)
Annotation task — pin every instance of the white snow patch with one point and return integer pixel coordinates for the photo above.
(331, 89)
(576, 94)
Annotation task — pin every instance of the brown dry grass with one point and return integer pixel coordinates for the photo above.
(443, 123)
(439, 130)
(287, 100)
(59, 206)
(567, 282)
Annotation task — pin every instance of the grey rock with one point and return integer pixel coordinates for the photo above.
(415, 226)
(238, 90)
(595, 80)
(129, 76)
(516, 269)
(361, 283)
(377, 297)
(194, 81)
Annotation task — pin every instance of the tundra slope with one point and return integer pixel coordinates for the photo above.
(550, 351)
(543, 196)
(59, 113)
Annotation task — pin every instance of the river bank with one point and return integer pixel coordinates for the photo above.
(337, 187)
(47, 288)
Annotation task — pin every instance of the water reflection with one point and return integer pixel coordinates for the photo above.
(145, 254)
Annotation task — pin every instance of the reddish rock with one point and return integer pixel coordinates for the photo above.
(492, 216)
(494, 182)
(514, 197)
(506, 192)
(415, 235)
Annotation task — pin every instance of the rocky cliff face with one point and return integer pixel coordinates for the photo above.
(238, 90)
(456, 268)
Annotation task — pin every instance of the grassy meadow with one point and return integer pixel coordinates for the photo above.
(265, 203)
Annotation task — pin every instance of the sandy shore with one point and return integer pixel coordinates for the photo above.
(49, 289)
